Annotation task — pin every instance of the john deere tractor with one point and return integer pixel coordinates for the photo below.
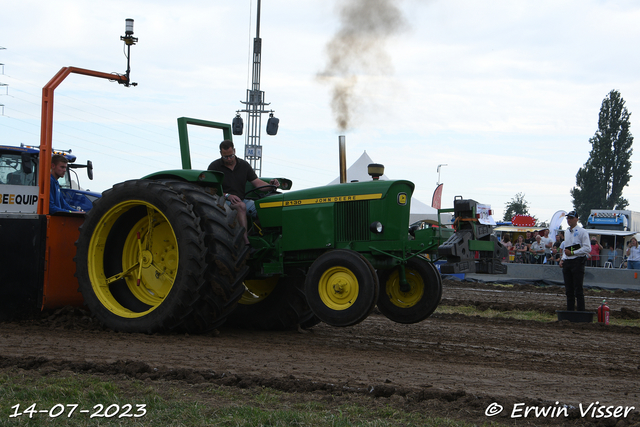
(166, 253)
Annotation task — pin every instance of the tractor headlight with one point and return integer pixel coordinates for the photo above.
(376, 227)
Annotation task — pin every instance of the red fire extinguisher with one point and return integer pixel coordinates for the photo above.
(603, 313)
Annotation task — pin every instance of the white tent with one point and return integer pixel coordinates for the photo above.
(419, 211)
(358, 171)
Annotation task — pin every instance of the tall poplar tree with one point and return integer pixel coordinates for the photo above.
(599, 183)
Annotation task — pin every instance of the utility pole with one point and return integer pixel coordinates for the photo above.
(254, 107)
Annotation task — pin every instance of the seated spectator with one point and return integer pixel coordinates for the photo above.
(537, 251)
(616, 254)
(556, 250)
(610, 253)
(520, 249)
(528, 240)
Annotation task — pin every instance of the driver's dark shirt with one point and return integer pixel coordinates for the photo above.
(235, 180)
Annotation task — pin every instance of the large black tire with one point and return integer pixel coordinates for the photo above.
(420, 301)
(274, 304)
(142, 262)
(341, 287)
(226, 250)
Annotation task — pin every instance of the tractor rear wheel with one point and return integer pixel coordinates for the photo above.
(275, 303)
(341, 287)
(142, 262)
(226, 250)
(419, 301)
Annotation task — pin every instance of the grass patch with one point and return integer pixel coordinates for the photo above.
(63, 398)
(625, 322)
(520, 315)
(602, 291)
(179, 404)
(490, 313)
(503, 285)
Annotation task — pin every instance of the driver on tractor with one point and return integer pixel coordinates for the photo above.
(236, 174)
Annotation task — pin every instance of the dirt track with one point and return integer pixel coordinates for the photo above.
(453, 365)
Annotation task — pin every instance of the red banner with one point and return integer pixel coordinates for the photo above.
(436, 200)
(523, 221)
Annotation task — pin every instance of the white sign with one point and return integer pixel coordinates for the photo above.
(253, 151)
(484, 215)
(18, 199)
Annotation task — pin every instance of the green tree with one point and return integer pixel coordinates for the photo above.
(517, 206)
(599, 183)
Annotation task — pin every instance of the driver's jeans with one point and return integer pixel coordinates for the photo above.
(251, 207)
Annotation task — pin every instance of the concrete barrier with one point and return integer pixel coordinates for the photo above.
(612, 278)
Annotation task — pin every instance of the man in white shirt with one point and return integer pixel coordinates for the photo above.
(548, 244)
(576, 248)
(537, 251)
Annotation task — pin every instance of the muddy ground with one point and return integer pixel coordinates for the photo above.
(456, 366)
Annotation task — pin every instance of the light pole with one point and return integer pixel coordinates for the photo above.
(46, 117)
(254, 107)
(128, 40)
(438, 183)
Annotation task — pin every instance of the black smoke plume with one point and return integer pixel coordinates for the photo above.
(359, 50)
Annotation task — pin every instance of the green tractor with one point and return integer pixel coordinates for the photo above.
(165, 253)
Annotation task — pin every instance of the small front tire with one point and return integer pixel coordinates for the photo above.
(419, 301)
(341, 287)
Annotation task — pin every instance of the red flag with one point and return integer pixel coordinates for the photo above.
(436, 200)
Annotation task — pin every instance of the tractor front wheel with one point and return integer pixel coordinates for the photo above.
(341, 287)
(415, 302)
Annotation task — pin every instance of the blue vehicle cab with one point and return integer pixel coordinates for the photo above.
(19, 166)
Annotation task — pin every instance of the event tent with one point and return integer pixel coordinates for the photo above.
(419, 211)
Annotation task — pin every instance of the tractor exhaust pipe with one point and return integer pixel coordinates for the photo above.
(342, 148)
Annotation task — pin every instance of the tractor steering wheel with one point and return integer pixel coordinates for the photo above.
(253, 190)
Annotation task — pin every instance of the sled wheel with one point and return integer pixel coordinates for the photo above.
(416, 304)
(341, 287)
(141, 261)
(275, 303)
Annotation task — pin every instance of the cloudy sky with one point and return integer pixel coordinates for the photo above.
(505, 93)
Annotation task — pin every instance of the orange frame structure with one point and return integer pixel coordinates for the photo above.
(60, 285)
(46, 127)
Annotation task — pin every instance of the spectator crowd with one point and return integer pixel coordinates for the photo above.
(538, 248)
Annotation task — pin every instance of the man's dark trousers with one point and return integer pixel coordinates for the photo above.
(573, 272)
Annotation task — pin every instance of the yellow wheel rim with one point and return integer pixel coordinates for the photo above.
(149, 259)
(258, 290)
(338, 288)
(405, 299)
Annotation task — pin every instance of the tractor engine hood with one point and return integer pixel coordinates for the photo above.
(325, 216)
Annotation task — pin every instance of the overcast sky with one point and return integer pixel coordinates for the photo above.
(505, 93)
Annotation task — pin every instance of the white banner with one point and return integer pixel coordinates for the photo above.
(18, 199)
(484, 215)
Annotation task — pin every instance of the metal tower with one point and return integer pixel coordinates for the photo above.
(254, 107)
